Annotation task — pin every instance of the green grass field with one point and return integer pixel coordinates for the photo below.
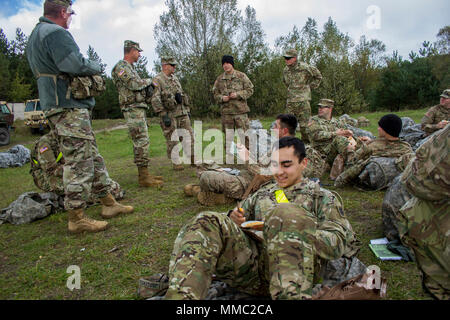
(34, 257)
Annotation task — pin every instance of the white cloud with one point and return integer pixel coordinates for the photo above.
(105, 24)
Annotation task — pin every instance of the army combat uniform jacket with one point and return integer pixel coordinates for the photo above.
(235, 82)
(164, 96)
(299, 79)
(433, 116)
(322, 131)
(382, 148)
(129, 85)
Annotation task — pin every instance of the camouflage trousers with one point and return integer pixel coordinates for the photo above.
(316, 166)
(54, 183)
(180, 130)
(336, 146)
(235, 122)
(352, 171)
(284, 265)
(424, 226)
(302, 110)
(221, 182)
(84, 167)
(138, 130)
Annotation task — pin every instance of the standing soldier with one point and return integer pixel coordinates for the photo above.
(53, 55)
(438, 116)
(231, 91)
(132, 96)
(172, 105)
(299, 78)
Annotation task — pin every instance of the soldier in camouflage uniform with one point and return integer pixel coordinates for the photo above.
(51, 52)
(172, 105)
(299, 79)
(327, 134)
(132, 100)
(47, 168)
(219, 187)
(231, 91)
(424, 221)
(386, 145)
(304, 226)
(438, 116)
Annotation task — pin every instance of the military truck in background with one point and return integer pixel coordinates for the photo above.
(34, 116)
(6, 122)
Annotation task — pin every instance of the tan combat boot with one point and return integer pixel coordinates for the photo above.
(111, 208)
(78, 222)
(147, 180)
(192, 190)
(178, 167)
(212, 198)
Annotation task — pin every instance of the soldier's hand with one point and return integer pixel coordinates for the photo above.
(233, 95)
(442, 124)
(365, 139)
(237, 216)
(243, 152)
(225, 98)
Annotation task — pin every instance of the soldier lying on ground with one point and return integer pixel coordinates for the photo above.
(387, 145)
(304, 226)
(217, 186)
(424, 221)
(47, 167)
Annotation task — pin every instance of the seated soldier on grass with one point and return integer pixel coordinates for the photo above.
(388, 144)
(217, 186)
(304, 225)
(437, 117)
(329, 135)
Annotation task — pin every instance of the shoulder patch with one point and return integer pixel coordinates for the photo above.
(43, 149)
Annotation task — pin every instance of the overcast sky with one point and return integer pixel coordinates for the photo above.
(104, 24)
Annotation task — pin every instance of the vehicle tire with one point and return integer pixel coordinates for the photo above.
(4, 136)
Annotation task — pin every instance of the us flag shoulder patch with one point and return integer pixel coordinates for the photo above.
(43, 149)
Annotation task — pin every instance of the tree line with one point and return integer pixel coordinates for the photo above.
(358, 75)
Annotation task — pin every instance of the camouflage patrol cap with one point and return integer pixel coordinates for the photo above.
(326, 103)
(290, 53)
(168, 60)
(446, 94)
(132, 44)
